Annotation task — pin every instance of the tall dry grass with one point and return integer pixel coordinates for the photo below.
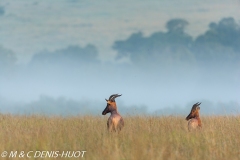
(143, 137)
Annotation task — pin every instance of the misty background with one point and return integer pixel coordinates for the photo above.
(163, 72)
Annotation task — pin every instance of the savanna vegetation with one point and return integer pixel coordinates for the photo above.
(143, 137)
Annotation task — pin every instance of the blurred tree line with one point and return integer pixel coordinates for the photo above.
(220, 44)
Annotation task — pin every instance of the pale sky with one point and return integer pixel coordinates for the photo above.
(30, 26)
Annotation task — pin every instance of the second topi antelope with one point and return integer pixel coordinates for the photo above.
(194, 118)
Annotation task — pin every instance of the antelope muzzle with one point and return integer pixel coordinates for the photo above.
(106, 110)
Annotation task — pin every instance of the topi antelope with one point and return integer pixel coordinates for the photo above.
(115, 121)
(193, 117)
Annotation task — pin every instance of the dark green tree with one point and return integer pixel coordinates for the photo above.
(160, 47)
(221, 42)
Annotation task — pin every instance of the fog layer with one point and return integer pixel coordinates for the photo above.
(164, 73)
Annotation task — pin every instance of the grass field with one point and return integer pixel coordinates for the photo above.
(143, 137)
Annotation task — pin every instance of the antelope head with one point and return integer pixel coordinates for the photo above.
(194, 112)
(111, 104)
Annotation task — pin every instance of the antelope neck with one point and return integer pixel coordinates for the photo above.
(114, 112)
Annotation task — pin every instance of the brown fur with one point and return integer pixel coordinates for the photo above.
(194, 118)
(115, 121)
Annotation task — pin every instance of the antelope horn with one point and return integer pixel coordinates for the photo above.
(112, 97)
(197, 104)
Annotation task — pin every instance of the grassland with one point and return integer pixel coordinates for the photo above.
(143, 137)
